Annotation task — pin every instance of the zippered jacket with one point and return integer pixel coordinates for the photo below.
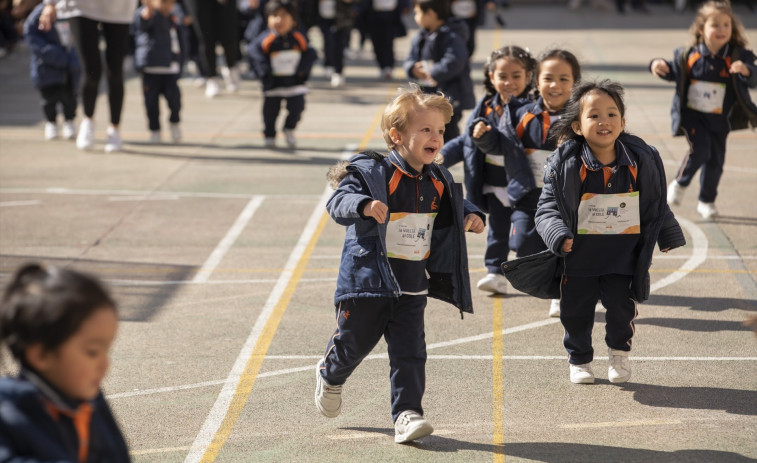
(50, 63)
(152, 39)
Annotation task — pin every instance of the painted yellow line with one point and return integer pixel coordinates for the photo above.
(620, 424)
(498, 397)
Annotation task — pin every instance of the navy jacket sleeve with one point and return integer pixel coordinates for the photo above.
(452, 62)
(344, 204)
(453, 151)
(51, 53)
(549, 222)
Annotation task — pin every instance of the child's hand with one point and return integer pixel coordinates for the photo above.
(419, 71)
(473, 223)
(567, 245)
(480, 129)
(660, 68)
(738, 67)
(377, 210)
(148, 10)
(47, 18)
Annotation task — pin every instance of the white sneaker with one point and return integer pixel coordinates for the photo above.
(707, 210)
(69, 130)
(155, 136)
(554, 308)
(51, 130)
(175, 132)
(290, 138)
(581, 374)
(270, 142)
(328, 398)
(85, 139)
(337, 80)
(231, 78)
(675, 193)
(620, 366)
(493, 283)
(411, 425)
(212, 87)
(114, 141)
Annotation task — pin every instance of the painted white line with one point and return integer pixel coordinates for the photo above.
(154, 197)
(620, 424)
(228, 241)
(484, 336)
(31, 202)
(140, 193)
(221, 406)
(698, 255)
(163, 450)
(210, 282)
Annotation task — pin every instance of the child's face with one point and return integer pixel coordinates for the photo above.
(600, 121)
(717, 31)
(428, 19)
(555, 82)
(422, 139)
(165, 7)
(509, 77)
(281, 21)
(79, 365)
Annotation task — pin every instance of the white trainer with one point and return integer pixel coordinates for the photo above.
(620, 366)
(707, 210)
(51, 130)
(175, 132)
(290, 138)
(581, 374)
(554, 308)
(231, 78)
(675, 193)
(328, 398)
(212, 87)
(114, 142)
(493, 283)
(85, 139)
(337, 80)
(69, 130)
(155, 136)
(411, 425)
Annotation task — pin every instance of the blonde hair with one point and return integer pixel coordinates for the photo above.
(397, 113)
(738, 36)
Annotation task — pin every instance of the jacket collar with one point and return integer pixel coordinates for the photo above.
(622, 157)
(400, 163)
(722, 53)
(48, 391)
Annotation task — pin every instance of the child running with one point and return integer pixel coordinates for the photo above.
(508, 74)
(524, 139)
(711, 98)
(603, 209)
(405, 220)
(59, 325)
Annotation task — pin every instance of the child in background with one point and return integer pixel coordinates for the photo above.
(508, 74)
(523, 137)
(335, 21)
(158, 57)
(711, 98)
(599, 167)
(405, 220)
(282, 60)
(59, 325)
(473, 12)
(55, 71)
(384, 25)
(438, 58)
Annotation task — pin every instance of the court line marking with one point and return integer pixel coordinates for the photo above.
(228, 241)
(141, 193)
(498, 384)
(621, 424)
(20, 203)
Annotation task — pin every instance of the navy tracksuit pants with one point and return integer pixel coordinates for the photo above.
(707, 150)
(361, 322)
(578, 299)
(154, 85)
(60, 93)
(498, 236)
(271, 108)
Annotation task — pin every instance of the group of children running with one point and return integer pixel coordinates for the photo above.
(550, 162)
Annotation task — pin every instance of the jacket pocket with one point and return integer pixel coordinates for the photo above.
(361, 264)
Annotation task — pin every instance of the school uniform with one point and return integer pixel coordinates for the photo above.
(383, 26)
(473, 13)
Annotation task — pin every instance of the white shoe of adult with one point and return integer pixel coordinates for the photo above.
(581, 374)
(175, 132)
(619, 370)
(69, 130)
(707, 210)
(231, 78)
(675, 192)
(328, 398)
(493, 283)
(411, 425)
(114, 142)
(212, 87)
(337, 80)
(554, 308)
(51, 130)
(85, 139)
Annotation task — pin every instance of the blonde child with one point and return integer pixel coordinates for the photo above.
(59, 325)
(711, 98)
(405, 220)
(603, 209)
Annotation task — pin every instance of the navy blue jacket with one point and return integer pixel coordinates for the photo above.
(447, 48)
(29, 434)
(365, 270)
(153, 39)
(742, 114)
(557, 212)
(50, 62)
(269, 42)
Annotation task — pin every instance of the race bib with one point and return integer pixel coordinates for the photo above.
(495, 159)
(612, 214)
(706, 97)
(537, 159)
(284, 62)
(465, 9)
(64, 33)
(384, 5)
(327, 9)
(408, 235)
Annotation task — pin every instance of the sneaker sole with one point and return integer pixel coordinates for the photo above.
(421, 431)
(582, 381)
(621, 379)
(490, 289)
(318, 380)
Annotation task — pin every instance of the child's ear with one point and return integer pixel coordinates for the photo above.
(37, 357)
(576, 126)
(396, 136)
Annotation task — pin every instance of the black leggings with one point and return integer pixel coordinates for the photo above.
(215, 22)
(86, 35)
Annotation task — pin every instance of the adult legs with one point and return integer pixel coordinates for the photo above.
(116, 45)
(86, 37)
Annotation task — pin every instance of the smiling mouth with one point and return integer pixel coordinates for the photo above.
(429, 150)
(603, 132)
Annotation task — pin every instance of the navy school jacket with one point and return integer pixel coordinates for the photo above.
(153, 41)
(267, 43)
(50, 62)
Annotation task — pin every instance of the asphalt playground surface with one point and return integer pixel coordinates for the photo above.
(224, 263)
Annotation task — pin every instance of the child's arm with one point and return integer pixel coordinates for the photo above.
(490, 139)
(671, 235)
(412, 57)
(475, 220)
(746, 67)
(454, 150)
(50, 53)
(550, 224)
(258, 58)
(453, 62)
(350, 203)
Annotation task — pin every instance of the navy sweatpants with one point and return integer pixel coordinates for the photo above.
(497, 239)
(154, 85)
(578, 299)
(707, 151)
(271, 108)
(361, 322)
